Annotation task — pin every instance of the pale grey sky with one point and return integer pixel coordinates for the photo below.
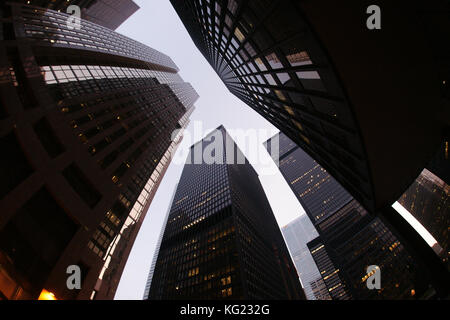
(157, 25)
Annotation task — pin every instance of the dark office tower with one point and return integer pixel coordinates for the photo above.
(157, 248)
(331, 276)
(319, 289)
(297, 234)
(221, 240)
(86, 124)
(108, 13)
(351, 239)
(428, 200)
(356, 109)
(121, 247)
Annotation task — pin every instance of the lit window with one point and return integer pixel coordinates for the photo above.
(299, 59)
(239, 34)
(298, 125)
(46, 295)
(280, 95)
(289, 110)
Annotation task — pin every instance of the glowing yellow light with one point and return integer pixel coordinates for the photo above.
(46, 295)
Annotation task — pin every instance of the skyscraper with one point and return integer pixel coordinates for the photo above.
(86, 127)
(221, 240)
(319, 289)
(119, 251)
(331, 276)
(357, 110)
(297, 234)
(155, 255)
(108, 13)
(428, 200)
(296, 64)
(351, 239)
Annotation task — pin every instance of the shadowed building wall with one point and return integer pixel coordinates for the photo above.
(85, 127)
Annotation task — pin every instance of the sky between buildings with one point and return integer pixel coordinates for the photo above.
(157, 25)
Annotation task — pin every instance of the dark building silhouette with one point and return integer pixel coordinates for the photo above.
(350, 239)
(331, 276)
(357, 110)
(428, 200)
(156, 253)
(86, 127)
(221, 240)
(108, 13)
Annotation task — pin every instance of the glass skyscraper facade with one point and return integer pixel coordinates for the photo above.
(331, 276)
(107, 13)
(297, 234)
(158, 247)
(351, 239)
(428, 200)
(221, 240)
(303, 73)
(86, 127)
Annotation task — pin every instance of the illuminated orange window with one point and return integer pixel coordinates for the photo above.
(46, 295)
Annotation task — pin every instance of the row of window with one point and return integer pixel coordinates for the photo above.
(51, 27)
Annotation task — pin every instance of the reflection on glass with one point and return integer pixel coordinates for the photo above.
(299, 59)
(270, 79)
(260, 64)
(250, 49)
(228, 21)
(284, 77)
(308, 75)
